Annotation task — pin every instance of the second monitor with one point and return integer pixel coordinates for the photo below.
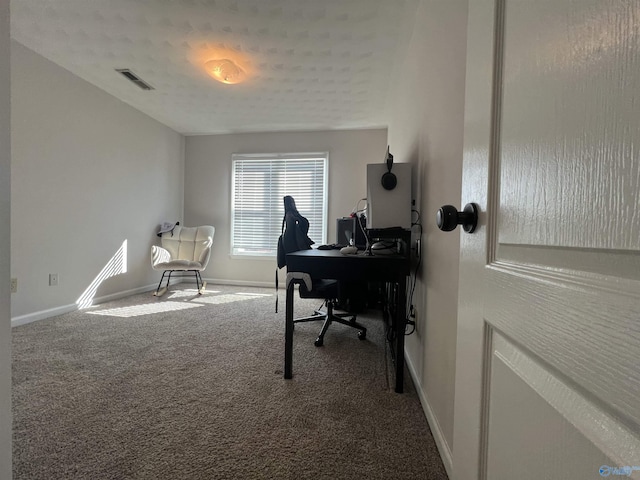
(389, 194)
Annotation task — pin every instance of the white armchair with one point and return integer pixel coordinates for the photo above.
(183, 249)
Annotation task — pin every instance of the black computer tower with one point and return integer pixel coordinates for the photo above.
(348, 229)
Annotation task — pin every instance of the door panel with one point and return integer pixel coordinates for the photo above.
(569, 126)
(580, 327)
(548, 359)
(559, 422)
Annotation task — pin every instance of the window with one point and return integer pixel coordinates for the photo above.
(259, 184)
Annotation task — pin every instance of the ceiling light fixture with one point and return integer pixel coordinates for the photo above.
(225, 71)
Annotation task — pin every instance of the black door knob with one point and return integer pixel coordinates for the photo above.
(448, 218)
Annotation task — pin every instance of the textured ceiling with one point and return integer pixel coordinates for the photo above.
(311, 64)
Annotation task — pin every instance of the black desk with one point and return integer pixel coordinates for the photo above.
(331, 264)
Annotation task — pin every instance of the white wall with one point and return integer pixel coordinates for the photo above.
(5, 258)
(88, 173)
(427, 128)
(208, 185)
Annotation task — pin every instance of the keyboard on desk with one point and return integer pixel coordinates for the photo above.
(332, 246)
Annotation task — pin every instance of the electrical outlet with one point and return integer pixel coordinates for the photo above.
(14, 285)
(53, 279)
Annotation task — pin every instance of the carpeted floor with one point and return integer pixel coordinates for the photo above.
(191, 387)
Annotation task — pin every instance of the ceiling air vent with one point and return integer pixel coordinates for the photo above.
(134, 78)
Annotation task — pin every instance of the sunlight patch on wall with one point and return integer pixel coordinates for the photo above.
(115, 266)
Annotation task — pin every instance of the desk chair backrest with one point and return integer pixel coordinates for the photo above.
(295, 228)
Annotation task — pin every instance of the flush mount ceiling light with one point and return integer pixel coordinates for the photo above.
(225, 71)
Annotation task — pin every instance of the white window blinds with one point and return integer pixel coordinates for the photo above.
(258, 186)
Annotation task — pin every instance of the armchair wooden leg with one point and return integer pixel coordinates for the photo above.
(200, 283)
(161, 290)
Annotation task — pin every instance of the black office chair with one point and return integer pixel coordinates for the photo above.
(293, 238)
(329, 291)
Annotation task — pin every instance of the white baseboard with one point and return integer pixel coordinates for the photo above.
(436, 430)
(52, 312)
(42, 314)
(238, 283)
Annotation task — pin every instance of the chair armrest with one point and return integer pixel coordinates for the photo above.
(204, 257)
(305, 277)
(159, 255)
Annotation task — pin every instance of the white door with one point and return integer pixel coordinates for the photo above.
(548, 352)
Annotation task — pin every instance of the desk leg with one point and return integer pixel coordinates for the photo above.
(288, 332)
(400, 322)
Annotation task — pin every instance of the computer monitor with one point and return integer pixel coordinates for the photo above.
(388, 194)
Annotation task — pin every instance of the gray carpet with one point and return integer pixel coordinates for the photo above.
(191, 387)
